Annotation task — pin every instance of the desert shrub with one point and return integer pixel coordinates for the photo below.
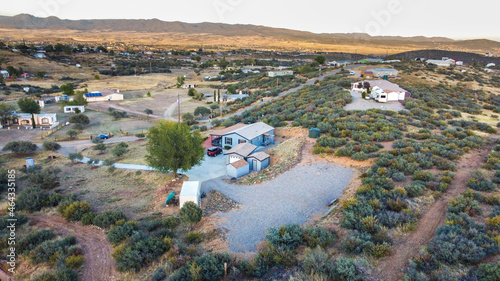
(31, 199)
(74, 211)
(120, 149)
(423, 176)
(50, 250)
(65, 274)
(35, 238)
(140, 135)
(398, 176)
(75, 262)
(46, 179)
(108, 218)
(216, 122)
(481, 184)
(194, 237)
(415, 189)
(119, 233)
(288, 236)
(317, 262)
(359, 156)
(140, 251)
(229, 122)
(489, 272)
(50, 146)
(88, 218)
(357, 243)
(190, 213)
(464, 203)
(349, 269)
(318, 237)
(169, 222)
(159, 275)
(20, 147)
(80, 119)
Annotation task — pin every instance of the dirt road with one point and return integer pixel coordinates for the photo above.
(391, 268)
(99, 265)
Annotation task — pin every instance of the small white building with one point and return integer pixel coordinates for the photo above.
(490, 65)
(5, 74)
(381, 90)
(188, 86)
(73, 108)
(190, 192)
(41, 103)
(280, 73)
(40, 55)
(241, 159)
(444, 63)
(381, 72)
(238, 169)
(103, 95)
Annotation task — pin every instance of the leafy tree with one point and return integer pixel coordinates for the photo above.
(67, 89)
(213, 107)
(49, 48)
(41, 74)
(180, 81)
(20, 147)
(80, 119)
(51, 146)
(223, 63)
(6, 111)
(72, 133)
(148, 111)
(201, 110)
(173, 146)
(75, 156)
(192, 92)
(12, 71)
(120, 149)
(190, 213)
(320, 59)
(28, 105)
(148, 94)
(188, 118)
(96, 77)
(231, 89)
(31, 199)
(101, 147)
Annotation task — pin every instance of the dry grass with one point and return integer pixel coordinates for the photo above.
(135, 155)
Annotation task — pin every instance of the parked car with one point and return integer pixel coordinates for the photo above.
(214, 151)
(102, 137)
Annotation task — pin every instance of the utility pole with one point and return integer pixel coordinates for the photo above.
(179, 107)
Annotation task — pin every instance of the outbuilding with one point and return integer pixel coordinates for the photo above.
(258, 161)
(190, 192)
(74, 109)
(238, 169)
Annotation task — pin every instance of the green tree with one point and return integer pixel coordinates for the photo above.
(12, 71)
(28, 105)
(188, 118)
(67, 89)
(213, 107)
(180, 81)
(223, 63)
(215, 96)
(49, 48)
(120, 149)
(192, 92)
(148, 94)
(190, 213)
(20, 147)
(80, 119)
(320, 59)
(100, 146)
(97, 77)
(201, 110)
(72, 133)
(41, 74)
(172, 146)
(6, 111)
(51, 146)
(148, 111)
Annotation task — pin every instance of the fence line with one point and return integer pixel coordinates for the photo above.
(53, 130)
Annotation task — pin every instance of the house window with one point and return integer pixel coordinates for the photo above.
(45, 120)
(242, 141)
(229, 141)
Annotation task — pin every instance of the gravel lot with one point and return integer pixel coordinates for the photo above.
(293, 197)
(358, 103)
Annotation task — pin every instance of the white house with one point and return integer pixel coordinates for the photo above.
(490, 65)
(382, 90)
(103, 95)
(190, 192)
(259, 134)
(48, 120)
(73, 108)
(5, 74)
(41, 103)
(239, 152)
(279, 73)
(187, 86)
(40, 55)
(444, 63)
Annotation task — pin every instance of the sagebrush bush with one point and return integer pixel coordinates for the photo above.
(288, 236)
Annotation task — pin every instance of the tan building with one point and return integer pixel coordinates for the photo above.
(103, 95)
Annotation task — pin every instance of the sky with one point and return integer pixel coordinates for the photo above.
(457, 19)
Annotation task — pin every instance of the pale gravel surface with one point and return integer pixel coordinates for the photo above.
(358, 103)
(293, 197)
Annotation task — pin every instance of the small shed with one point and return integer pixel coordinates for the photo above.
(238, 169)
(314, 133)
(30, 163)
(258, 161)
(190, 192)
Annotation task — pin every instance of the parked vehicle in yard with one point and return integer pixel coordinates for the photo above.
(214, 151)
(102, 137)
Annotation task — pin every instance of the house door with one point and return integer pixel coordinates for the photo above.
(254, 164)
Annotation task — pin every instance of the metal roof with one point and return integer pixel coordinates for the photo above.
(261, 156)
(190, 188)
(254, 130)
(242, 149)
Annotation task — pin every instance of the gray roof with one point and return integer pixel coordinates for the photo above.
(254, 130)
(242, 149)
(386, 85)
(261, 156)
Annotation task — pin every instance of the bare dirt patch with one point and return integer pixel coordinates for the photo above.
(99, 266)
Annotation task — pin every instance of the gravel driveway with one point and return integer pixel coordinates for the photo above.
(358, 103)
(293, 197)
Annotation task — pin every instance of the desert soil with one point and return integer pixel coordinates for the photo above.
(391, 268)
(99, 265)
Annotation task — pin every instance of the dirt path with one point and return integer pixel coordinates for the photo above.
(99, 265)
(105, 105)
(391, 268)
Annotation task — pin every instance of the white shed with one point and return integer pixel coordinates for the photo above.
(190, 192)
(238, 169)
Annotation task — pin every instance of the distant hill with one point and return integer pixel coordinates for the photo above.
(165, 33)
